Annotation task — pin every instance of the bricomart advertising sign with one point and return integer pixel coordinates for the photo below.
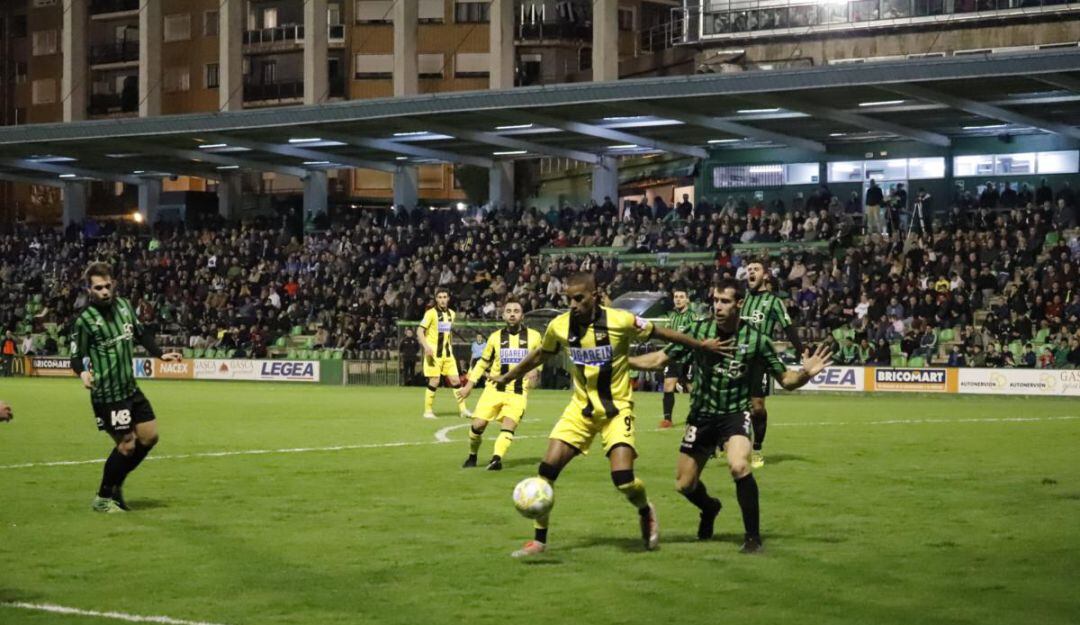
(915, 380)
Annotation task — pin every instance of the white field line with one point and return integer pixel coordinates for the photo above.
(442, 439)
(118, 616)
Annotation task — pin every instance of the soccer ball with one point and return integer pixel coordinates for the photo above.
(533, 497)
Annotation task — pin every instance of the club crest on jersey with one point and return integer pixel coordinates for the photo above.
(600, 335)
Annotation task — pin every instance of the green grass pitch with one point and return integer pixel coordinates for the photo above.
(883, 509)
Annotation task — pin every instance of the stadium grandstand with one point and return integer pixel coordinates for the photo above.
(282, 190)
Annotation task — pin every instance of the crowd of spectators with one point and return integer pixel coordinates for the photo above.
(243, 288)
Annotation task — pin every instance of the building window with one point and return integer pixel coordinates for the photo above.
(471, 65)
(43, 91)
(1060, 162)
(471, 12)
(374, 11)
(176, 79)
(270, 18)
(926, 168)
(845, 171)
(178, 27)
(431, 12)
(626, 19)
(211, 21)
(20, 72)
(44, 42)
(374, 66)
(18, 26)
(801, 173)
(735, 176)
(430, 65)
(212, 75)
(1006, 164)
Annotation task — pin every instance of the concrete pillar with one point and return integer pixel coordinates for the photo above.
(149, 197)
(74, 84)
(406, 78)
(316, 189)
(231, 55)
(605, 180)
(74, 197)
(316, 64)
(501, 46)
(605, 40)
(406, 186)
(229, 196)
(151, 33)
(501, 185)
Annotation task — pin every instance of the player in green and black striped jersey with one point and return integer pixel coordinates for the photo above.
(764, 310)
(720, 405)
(104, 335)
(679, 320)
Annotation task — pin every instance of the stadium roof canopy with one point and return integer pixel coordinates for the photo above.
(826, 109)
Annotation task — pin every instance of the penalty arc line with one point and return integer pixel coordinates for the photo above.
(298, 450)
(118, 616)
(441, 435)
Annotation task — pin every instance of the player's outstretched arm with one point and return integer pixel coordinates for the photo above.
(812, 365)
(653, 361)
(716, 346)
(534, 359)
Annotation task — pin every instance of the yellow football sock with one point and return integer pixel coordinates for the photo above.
(475, 438)
(429, 399)
(635, 493)
(502, 443)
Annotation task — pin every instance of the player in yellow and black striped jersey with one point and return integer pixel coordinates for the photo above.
(435, 334)
(597, 341)
(506, 402)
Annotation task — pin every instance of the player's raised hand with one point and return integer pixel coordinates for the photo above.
(464, 390)
(716, 346)
(6, 413)
(172, 357)
(87, 380)
(814, 363)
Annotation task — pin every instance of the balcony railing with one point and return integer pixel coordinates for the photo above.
(119, 52)
(254, 92)
(290, 33)
(538, 31)
(110, 103)
(736, 18)
(98, 7)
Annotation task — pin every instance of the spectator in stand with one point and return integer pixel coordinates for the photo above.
(874, 200)
(927, 344)
(956, 357)
(1027, 358)
(8, 351)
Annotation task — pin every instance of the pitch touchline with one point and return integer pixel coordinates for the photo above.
(119, 616)
(442, 439)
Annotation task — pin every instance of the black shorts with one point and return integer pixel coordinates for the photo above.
(760, 383)
(120, 417)
(677, 370)
(706, 433)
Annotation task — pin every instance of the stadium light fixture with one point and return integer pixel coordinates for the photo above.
(68, 176)
(137, 217)
(510, 153)
(837, 134)
(625, 146)
(986, 127)
(624, 118)
(715, 141)
(316, 162)
(461, 206)
(881, 103)
(224, 167)
(53, 159)
(401, 158)
(305, 140)
(213, 146)
(514, 127)
(139, 171)
(755, 111)
(415, 133)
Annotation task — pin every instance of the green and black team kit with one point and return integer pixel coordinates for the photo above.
(763, 310)
(680, 322)
(720, 399)
(106, 335)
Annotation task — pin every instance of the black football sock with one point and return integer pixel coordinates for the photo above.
(760, 423)
(699, 497)
(134, 460)
(746, 490)
(669, 405)
(113, 473)
(540, 535)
